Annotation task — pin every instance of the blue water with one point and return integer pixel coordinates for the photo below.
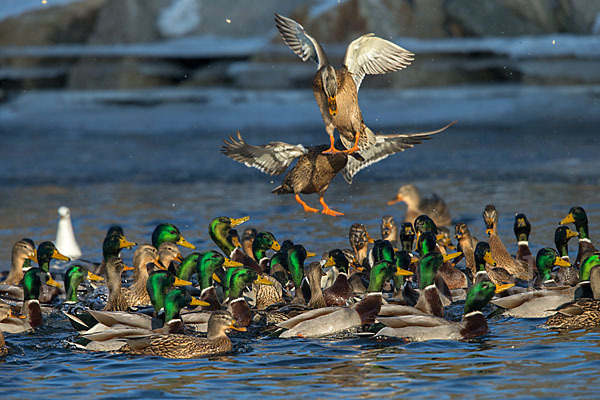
(111, 176)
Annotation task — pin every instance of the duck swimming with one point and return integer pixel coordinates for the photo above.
(565, 276)
(22, 251)
(434, 207)
(578, 216)
(336, 90)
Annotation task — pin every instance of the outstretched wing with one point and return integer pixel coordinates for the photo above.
(373, 55)
(301, 43)
(386, 145)
(272, 158)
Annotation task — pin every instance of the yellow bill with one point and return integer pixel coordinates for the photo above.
(451, 256)
(216, 278)
(262, 281)
(127, 268)
(125, 244)
(185, 243)
(568, 219)
(561, 262)
(275, 246)
(52, 282)
(237, 328)
(198, 302)
(238, 221)
(330, 262)
(181, 282)
(94, 277)
(403, 272)
(503, 287)
(489, 259)
(310, 254)
(231, 263)
(56, 255)
(571, 234)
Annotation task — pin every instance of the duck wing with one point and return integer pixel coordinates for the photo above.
(301, 43)
(272, 158)
(373, 55)
(385, 146)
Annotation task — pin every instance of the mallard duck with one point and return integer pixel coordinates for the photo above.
(427, 327)
(389, 229)
(434, 293)
(166, 232)
(452, 277)
(340, 292)
(314, 170)
(519, 269)
(136, 294)
(184, 346)
(330, 320)
(167, 253)
(550, 259)
(434, 207)
(208, 262)
(65, 238)
(359, 241)
(466, 244)
(219, 228)
(158, 285)
(581, 313)
(73, 277)
(240, 279)
(33, 281)
(384, 251)
(486, 263)
(266, 295)
(578, 216)
(539, 303)
(297, 254)
(336, 90)
(565, 275)
(522, 229)
(114, 241)
(5, 314)
(22, 251)
(314, 273)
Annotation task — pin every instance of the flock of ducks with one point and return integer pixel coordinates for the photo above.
(179, 306)
(336, 93)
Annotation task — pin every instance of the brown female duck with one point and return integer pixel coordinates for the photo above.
(22, 251)
(466, 244)
(434, 207)
(136, 294)
(336, 90)
(519, 269)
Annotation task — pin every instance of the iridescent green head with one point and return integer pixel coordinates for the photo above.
(383, 250)
(587, 265)
(483, 255)
(545, 261)
(428, 267)
(113, 244)
(478, 296)
(187, 267)
(32, 283)
(522, 228)
(175, 300)
(577, 216)
(226, 281)
(281, 256)
(218, 229)
(562, 235)
(426, 244)
(425, 224)
(262, 242)
(46, 251)
(115, 230)
(73, 277)
(157, 285)
(380, 273)
(407, 236)
(402, 260)
(296, 256)
(207, 264)
(240, 279)
(166, 232)
(337, 258)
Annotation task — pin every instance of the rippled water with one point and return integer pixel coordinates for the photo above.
(140, 180)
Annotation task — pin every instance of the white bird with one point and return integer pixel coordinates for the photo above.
(65, 238)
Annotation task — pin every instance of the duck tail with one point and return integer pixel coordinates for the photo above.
(282, 189)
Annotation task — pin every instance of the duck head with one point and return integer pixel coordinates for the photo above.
(158, 284)
(522, 228)
(481, 294)
(166, 232)
(207, 263)
(490, 217)
(218, 229)
(262, 242)
(483, 255)
(297, 254)
(329, 79)
(46, 251)
(176, 299)
(389, 228)
(407, 236)
(219, 323)
(113, 244)
(241, 278)
(577, 216)
(562, 235)
(545, 261)
(73, 277)
(381, 272)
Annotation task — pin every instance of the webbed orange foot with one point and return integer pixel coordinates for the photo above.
(306, 207)
(355, 147)
(327, 210)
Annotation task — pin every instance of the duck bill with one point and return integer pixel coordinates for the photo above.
(198, 302)
(127, 268)
(521, 223)
(561, 262)
(33, 257)
(52, 282)
(489, 259)
(310, 254)
(185, 243)
(451, 256)
(126, 244)
(58, 256)
(181, 282)
(238, 221)
(236, 242)
(231, 264)
(356, 266)
(262, 281)
(369, 238)
(19, 316)
(571, 234)
(414, 260)
(488, 231)
(395, 200)
(330, 262)
(458, 236)
(568, 219)
(158, 265)
(439, 236)
(94, 277)
(237, 328)
(332, 103)
(178, 258)
(275, 246)
(503, 287)
(216, 278)
(402, 272)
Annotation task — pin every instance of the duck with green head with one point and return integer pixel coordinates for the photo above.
(445, 277)
(207, 263)
(219, 228)
(578, 216)
(431, 299)
(166, 232)
(565, 276)
(427, 327)
(548, 259)
(331, 320)
(297, 254)
(158, 285)
(113, 243)
(33, 282)
(581, 313)
(73, 278)
(23, 252)
(522, 230)
(240, 279)
(341, 292)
